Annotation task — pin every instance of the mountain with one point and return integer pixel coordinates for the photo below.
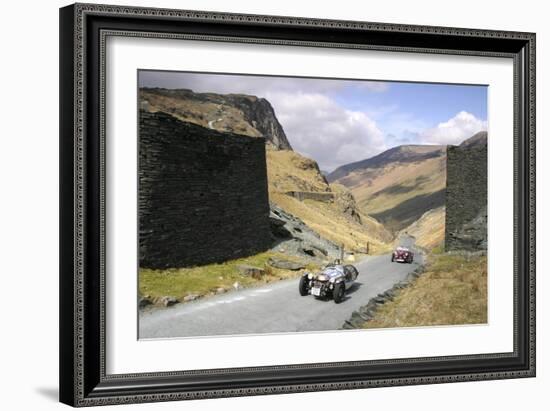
(399, 185)
(235, 113)
(477, 140)
(399, 154)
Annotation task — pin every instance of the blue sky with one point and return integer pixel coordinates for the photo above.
(337, 122)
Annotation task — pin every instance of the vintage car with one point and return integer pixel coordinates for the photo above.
(402, 255)
(332, 281)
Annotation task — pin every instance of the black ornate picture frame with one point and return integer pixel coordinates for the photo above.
(83, 32)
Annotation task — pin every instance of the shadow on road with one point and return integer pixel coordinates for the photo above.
(355, 287)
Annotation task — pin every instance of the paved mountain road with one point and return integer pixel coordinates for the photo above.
(274, 308)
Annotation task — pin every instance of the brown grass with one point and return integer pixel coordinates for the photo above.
(201, 112)
(331, 224)
(429, 230)
(290, 171)
(452, 291)
(381, 189)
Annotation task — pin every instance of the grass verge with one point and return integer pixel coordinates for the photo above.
(208, 279)
(452, 290)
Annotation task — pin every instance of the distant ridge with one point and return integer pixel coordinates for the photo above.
(478, 139)
(402, 154)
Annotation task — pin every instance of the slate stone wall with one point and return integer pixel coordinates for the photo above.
(203, 194)
(466, 198)
(310, 195)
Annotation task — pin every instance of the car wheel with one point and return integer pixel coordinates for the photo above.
(392, 258)
(303, 286)
(339, 292)
(352, 270)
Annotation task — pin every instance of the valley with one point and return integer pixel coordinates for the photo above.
(359, 209)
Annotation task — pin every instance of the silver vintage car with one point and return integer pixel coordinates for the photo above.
(332, 281)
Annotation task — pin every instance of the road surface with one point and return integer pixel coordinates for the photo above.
(211, 123)
(274, 308)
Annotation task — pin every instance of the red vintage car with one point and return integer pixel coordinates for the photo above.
(402, 255)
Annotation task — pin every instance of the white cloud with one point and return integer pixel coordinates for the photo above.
(455, 130)
(315, 124)
(376, 86)
(319, 128)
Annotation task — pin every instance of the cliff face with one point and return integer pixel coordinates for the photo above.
(260, 113)
(466, 195)
(231, 113)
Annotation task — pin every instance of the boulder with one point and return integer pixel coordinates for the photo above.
(144, 302)
(314, 251)
(285, 264)
(278, 229)
(379, 299)
(251, 271)
(168, 301)
(190, 297)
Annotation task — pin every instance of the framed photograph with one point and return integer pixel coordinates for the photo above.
(261, 204)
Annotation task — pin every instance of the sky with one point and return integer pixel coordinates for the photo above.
(338, 121)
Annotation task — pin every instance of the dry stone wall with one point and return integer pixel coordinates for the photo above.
(466, 198)
(203, 194)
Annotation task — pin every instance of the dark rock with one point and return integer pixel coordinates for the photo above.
(348, 326)
(278, 229)
(168, 301)
(466, 195)
(144, 302)
(389, 294)
(190, 297)
(296, 238)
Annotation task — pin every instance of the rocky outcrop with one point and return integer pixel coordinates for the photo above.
(234, 113)
(345, 202)
(285, 264)
(466, 195)
(293, 237)
(470, 236)
(260, 113)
